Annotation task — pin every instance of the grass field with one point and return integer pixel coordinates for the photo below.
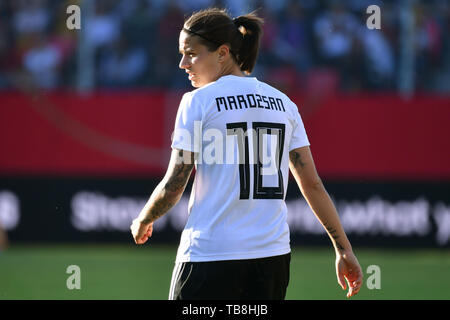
(131, 272)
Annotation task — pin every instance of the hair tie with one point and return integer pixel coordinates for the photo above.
(236, 22)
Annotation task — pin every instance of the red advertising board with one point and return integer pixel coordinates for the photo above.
(364, 136)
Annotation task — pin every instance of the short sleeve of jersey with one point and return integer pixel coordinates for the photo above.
(188, 124)
(299, 138)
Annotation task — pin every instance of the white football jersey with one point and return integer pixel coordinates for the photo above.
(241, 130)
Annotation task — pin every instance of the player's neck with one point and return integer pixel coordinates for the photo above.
(232, 69)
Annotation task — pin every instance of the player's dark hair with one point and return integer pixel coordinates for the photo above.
(215, 27)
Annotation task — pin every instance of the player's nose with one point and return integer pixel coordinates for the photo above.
(184, 62)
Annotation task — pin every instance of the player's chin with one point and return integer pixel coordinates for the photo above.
(195, 84)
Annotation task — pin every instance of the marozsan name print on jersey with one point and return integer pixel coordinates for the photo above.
(249, 101)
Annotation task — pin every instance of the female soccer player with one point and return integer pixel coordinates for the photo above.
(242, 135)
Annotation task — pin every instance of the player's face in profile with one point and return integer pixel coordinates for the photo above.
(201, 64)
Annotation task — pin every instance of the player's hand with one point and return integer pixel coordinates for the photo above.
(348, 269)
(141, 231)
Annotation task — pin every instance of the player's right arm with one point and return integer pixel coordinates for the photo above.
(166, 194)
(303, 169)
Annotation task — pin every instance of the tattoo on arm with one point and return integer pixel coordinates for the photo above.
(296, 159)
(332, 233)
(180, 173)
(170, 188)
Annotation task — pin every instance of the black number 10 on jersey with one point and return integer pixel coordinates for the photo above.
(260, 129)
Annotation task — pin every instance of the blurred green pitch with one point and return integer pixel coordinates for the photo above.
(144, 272)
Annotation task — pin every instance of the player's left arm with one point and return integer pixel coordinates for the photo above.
(303, 169)
(166, 194)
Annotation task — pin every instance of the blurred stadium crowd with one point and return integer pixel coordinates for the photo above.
(135, 43)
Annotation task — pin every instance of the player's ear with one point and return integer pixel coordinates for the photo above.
(223, 52)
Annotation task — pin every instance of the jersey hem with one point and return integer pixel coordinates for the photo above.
(234, 256)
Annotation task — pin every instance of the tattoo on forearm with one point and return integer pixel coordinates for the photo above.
(296, 159)
(159, 207)
(332, 233)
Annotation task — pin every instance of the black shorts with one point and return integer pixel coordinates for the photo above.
(250, 279)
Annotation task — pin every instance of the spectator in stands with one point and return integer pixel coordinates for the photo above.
(167, 39)
(441, 13)
(285, 47)
(123, 65)
(42, 62)
(334, 32)
(139, 24)
(378, 56)
(28, 20)
(103, 28)
(65, 41)
(267, 57)
(30, 16)
(303, 36)
(429, 44)
(292, 45)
